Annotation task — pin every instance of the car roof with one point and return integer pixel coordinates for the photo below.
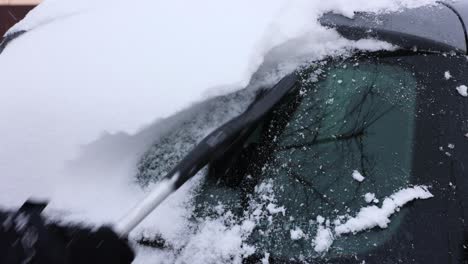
(431, 28)
(461, 9)
(440, 27)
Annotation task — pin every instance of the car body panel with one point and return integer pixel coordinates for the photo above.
(461, 9)
(436, 28)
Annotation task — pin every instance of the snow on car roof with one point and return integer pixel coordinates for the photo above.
(435, 28)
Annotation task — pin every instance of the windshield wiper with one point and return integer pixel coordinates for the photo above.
(210, 148)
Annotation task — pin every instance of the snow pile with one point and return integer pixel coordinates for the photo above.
(222, 239)
(372, 216)
(367, 218)
(324, 237)
(215, 239)
(217, 243)
(94, 71)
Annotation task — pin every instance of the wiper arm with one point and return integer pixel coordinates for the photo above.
(210, 148)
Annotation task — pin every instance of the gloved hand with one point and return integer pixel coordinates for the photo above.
(99, 246)
(26, 238)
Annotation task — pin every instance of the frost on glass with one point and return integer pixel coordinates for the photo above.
(169, 149)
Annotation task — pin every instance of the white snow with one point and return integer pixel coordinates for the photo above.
(145, 255)
(369, 197)
(215, 243)
(266, 258)
(447, 75)
(274, 209)
(98, 81)
(462, 90)
(323, 240)
(372, 216)
(296, 233)
(358, 176)
(320, 219)
(367, 218)
(222, 240)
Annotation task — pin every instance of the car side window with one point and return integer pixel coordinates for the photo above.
(341, 120)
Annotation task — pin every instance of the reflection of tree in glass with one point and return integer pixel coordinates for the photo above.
(347, 132)
(347, 121)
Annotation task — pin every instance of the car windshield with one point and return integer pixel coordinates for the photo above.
(341, 121)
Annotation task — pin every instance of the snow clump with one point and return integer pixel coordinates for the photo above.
(463, 90)
(323, 240)
(370, 197)
(372, 216)
(358, 176)
(447, 75)
(296, 234)
(367, 218)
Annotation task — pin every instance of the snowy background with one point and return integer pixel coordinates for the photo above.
(87, 80)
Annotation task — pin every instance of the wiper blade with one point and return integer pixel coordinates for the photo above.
(210, 148)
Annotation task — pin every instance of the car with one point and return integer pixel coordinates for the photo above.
(358, 158)
(341, 139)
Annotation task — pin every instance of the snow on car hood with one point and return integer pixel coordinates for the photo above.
(84, 68)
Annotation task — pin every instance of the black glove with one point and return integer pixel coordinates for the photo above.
(25, 238)
(100, 246)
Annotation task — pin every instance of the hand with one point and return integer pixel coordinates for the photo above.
(26, 238)
(100, 246)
